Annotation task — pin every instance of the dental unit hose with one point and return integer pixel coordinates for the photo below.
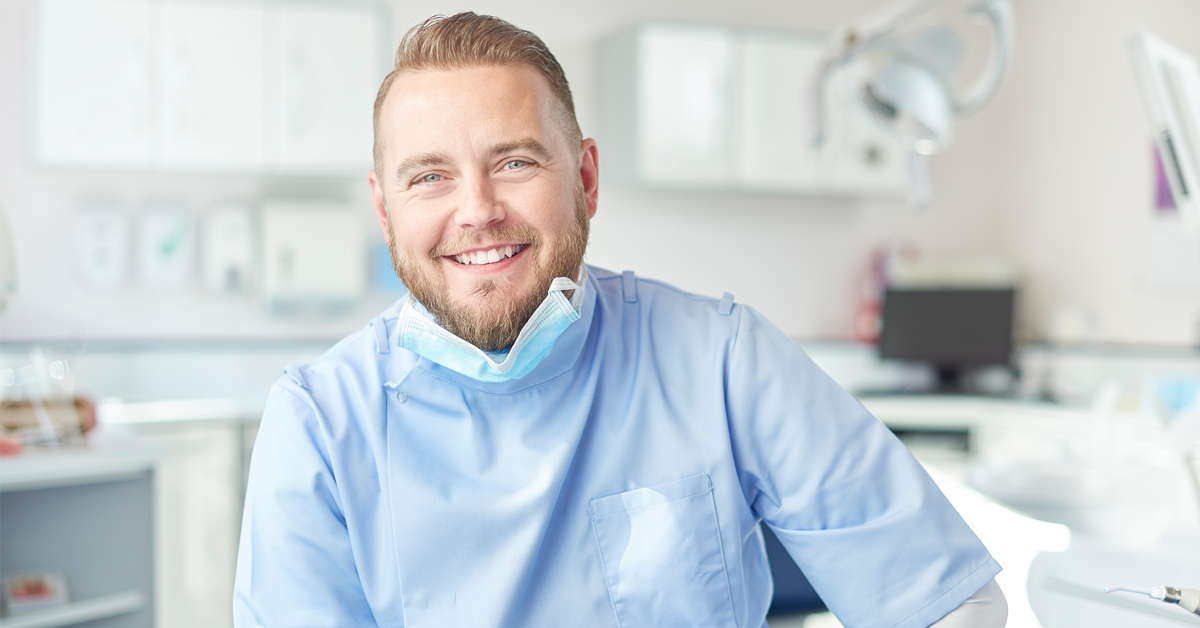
(1187, 599)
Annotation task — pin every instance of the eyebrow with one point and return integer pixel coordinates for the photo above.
(524, 144)
(412, 164)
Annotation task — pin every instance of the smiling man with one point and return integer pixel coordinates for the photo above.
(523, 440)
(492, 202)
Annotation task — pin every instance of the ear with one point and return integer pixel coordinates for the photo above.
(378, 202)
(589, 174)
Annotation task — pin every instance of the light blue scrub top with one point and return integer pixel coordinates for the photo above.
(620, 483)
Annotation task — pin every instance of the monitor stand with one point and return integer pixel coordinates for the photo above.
(950, 381)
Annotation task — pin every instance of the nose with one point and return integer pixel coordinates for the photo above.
(478, 207)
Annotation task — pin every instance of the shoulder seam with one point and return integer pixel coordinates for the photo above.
(737, 327)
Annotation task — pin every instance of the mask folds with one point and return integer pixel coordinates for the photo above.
(421, 335)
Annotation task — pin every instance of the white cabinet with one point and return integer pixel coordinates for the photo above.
(776, 121)
(91, 83)
(199, 491)
(88, 514)
(719, 108)
(199, 509)
(683, 98)
(330, 68)
(254, 87)
(210, 100)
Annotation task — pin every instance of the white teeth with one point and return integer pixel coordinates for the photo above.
(490, 256)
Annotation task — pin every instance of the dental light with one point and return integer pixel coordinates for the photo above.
(906, 81)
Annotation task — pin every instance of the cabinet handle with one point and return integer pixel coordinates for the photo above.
(297, 92)
(178, 84)
(135, 82)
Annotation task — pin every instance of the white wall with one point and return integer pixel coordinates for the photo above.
(1054, 174)
(1073, 157)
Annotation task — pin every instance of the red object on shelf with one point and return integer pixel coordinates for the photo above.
(9, 445)
(868, 316)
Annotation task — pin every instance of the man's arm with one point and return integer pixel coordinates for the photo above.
(874, 535)
(986, 609)
(295, 566)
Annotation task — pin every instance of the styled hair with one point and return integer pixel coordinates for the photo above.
(467, 40)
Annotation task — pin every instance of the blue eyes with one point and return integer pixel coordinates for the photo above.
(511, 165)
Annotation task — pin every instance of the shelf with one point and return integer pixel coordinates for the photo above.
(178, 411)
(71, 467)
(78, 612)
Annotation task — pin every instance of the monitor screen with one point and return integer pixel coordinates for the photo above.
(948, 327)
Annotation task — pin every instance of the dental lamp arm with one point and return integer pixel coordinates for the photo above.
(986, 609)
(999, 14)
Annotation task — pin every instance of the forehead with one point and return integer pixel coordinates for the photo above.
(464, 109)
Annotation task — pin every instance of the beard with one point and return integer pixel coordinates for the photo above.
(495, 325)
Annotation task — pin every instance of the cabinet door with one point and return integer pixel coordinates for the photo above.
(684, 102)
(778, 119)
(91, 79)
(210, 100)
(199, 505)
(329, 63)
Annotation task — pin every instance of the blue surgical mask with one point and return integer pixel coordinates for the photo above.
(424, 337)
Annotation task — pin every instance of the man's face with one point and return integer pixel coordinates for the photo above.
(483, 198)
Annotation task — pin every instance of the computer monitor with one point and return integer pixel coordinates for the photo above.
(951, 329)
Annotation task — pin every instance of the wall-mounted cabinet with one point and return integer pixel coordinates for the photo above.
(255, 87)
(696, 107)
(209, 98)
(91, 83)
(330, 63)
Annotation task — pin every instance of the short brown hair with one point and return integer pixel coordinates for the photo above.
(468, 40)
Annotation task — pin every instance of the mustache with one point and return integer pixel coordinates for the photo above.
(503, 233)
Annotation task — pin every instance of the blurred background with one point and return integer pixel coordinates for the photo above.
(183, 187)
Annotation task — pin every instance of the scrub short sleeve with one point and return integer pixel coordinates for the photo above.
(869, 528)
(295, 565)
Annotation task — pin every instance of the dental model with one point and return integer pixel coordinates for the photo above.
(1187, 599)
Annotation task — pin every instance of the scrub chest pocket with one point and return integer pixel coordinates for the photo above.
(660, 548)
